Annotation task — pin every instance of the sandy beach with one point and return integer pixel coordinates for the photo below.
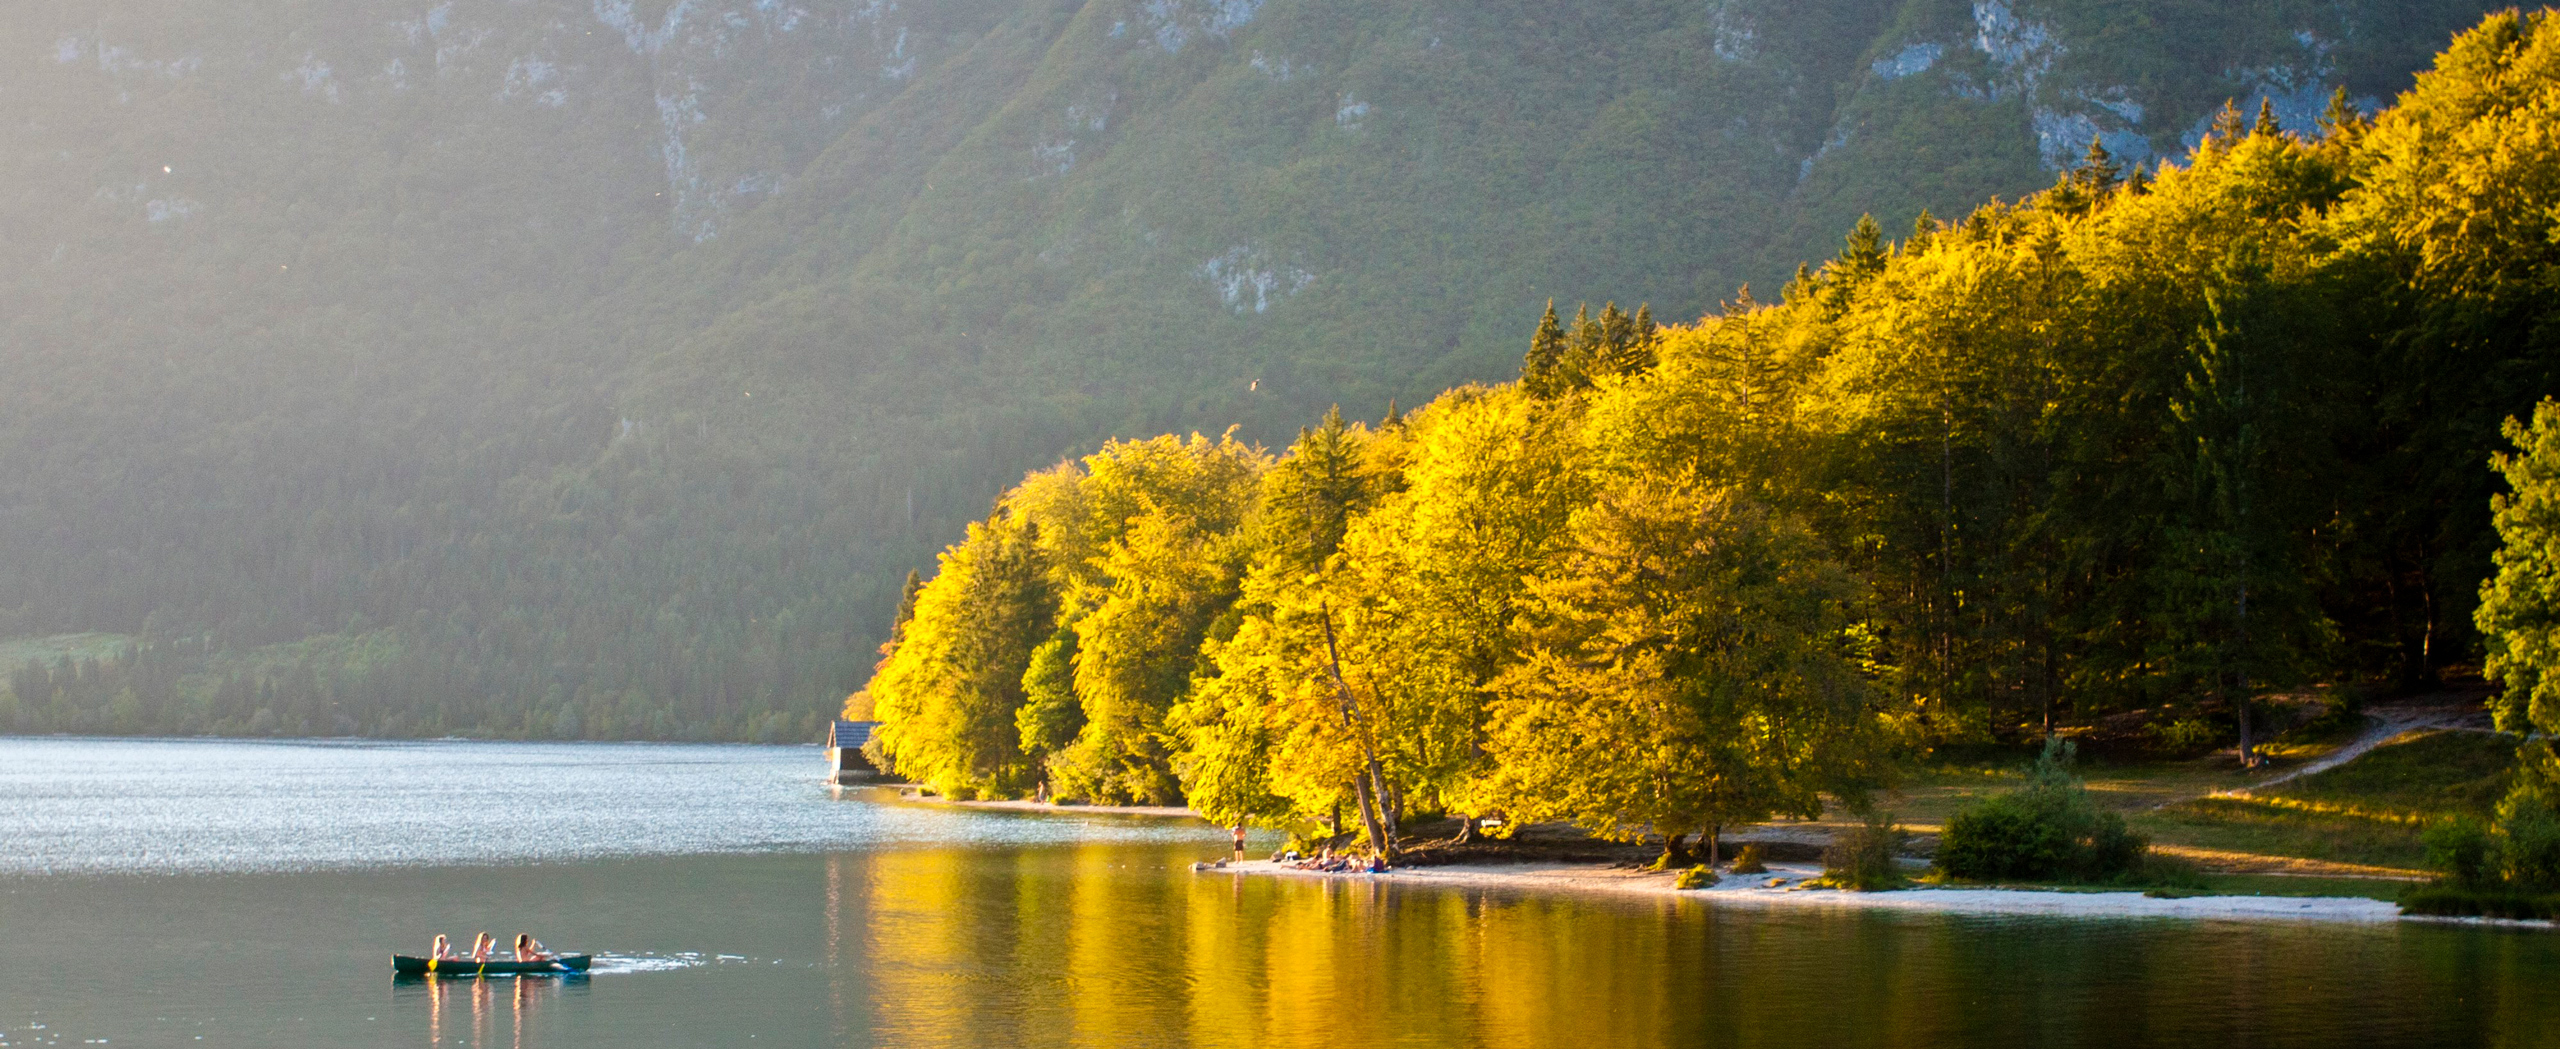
(1756, 891)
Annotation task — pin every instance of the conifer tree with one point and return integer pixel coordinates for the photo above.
(1860, 260)
(1540, 371)
(2097, 169)
(2229, 127)
(2341, 119)
(1643, 346)
(1799, 287)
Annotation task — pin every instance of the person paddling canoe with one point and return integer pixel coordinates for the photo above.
(443, 949)
(529, 949)
(481, 945)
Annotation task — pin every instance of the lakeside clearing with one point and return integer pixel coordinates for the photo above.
(2326, 831)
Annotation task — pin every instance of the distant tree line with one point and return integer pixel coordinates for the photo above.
(2149, 438)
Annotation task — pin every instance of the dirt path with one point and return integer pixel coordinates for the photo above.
(2386, 723)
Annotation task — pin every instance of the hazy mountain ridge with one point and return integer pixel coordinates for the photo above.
(578, 345)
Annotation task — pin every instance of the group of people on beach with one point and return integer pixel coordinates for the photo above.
(485, 946)
(1329, 862)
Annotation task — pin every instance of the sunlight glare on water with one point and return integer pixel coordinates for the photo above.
(164, 806)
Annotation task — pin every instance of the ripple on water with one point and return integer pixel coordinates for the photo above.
(620, 964)
(73, 806)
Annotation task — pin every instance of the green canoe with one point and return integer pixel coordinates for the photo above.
(461, 967)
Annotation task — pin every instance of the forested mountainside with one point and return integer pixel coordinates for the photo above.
(599, 368)
(2151, 442)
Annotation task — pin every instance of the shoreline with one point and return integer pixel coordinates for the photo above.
(1021, 805)
(1755, 891)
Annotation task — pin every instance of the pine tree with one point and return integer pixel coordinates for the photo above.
(2229, 127)
(906, 609)
(1641, 355)
(2267, 124)
(1799, 287)
(2097, 169)
(1860, 260)
(2342, 124)
(1539, 371)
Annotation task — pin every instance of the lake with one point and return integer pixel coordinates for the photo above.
(221, 893)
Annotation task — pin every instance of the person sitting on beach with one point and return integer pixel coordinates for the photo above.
(481, 945)
(443, 948)
(1378, 864)
(529, 949)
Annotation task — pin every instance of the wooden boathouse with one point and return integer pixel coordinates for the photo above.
(845, 760)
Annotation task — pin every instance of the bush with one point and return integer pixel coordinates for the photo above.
(2529, 843)
(1751, 860)
(2505, 868)
(1862, 858)
(2182, 736)
(2049, 830)
(1697, 877)
(2456, 901)
(2008, 836)
(2458, 850)
(2168, 875)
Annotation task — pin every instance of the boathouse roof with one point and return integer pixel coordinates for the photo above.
(850, 735)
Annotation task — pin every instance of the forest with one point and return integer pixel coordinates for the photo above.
(2160, 438)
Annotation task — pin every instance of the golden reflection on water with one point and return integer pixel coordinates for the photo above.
(1112, 946)
(482, 1013)
(1089, 950)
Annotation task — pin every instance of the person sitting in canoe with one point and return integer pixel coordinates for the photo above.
(443, 950)
(529, 949)
(481, 945)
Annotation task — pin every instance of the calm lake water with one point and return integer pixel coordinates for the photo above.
(194, 893)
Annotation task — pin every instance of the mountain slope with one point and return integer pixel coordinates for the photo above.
(603, 365)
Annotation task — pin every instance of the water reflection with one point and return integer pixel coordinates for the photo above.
(483, 1013)
(1101, 946)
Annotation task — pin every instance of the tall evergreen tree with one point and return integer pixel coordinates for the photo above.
(1541, 370)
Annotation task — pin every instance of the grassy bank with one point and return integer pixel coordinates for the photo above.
(2367, 812)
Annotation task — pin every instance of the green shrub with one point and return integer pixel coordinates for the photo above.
(2458, 850)
(2528, 843)
(2456, 901)
(1751, 860)
(2049, 830)
(2182, 736)
(1862, 858)
(2007, 836)
(2167, 874)
(1697, 877)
